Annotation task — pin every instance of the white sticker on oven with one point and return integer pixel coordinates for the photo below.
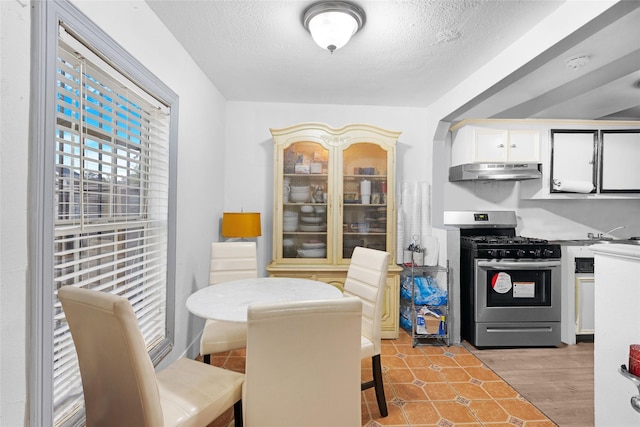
(501, 283)
(524, 289)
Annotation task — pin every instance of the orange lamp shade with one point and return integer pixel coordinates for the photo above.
(241, 224)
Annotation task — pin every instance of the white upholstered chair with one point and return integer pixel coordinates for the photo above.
(229, 261)
(121, 387)
(366, 279)
(303, 364)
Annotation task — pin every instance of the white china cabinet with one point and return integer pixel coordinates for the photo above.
(334, 190)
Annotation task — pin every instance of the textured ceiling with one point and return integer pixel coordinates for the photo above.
(409, 52)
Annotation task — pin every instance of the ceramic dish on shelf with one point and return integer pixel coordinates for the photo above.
(304, 227)
(289, 228)
(320, 210)
(313, 245)
(299, 197)
(311, 219)
(306, 209)
(312, 253)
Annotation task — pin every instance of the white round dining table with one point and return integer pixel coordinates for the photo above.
(229, 301)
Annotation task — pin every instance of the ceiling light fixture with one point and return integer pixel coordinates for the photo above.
(332, 23)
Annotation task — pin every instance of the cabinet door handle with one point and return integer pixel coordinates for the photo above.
(513, 145)
(500, 145)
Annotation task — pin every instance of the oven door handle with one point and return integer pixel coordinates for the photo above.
(518, 265)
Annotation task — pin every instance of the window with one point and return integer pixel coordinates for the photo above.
(108, 183)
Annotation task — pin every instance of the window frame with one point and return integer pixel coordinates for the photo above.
(46, 18)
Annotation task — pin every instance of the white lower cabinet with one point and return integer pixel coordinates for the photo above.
(585, 302)
(578, 293)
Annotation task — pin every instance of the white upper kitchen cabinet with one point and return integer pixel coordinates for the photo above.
(587, 159)
(573, 159)
(493, 142)
(620, 161)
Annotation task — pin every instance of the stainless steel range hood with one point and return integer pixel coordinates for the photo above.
(495, 172)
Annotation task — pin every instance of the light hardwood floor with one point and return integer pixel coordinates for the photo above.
(558, 381)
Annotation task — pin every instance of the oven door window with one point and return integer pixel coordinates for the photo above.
(518, 288)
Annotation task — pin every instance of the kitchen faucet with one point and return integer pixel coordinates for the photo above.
(601, 235)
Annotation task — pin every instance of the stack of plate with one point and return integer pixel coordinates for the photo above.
(314, 244)
(312, 253)
(299, 193)
(311, 219)
(314, 227)
(290, 221)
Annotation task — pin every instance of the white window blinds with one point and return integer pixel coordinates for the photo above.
(111, 203)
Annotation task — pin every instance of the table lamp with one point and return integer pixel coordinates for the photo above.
(241, 225)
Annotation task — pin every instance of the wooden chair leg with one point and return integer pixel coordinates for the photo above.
(237, 414)
(379, 386)
(207, 359)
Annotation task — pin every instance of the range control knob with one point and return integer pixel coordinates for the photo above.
(521, 253)
(547, 253)
(495, 253)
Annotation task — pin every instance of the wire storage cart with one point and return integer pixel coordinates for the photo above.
(424, 303)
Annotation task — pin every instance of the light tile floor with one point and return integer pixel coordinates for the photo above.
(430, 386)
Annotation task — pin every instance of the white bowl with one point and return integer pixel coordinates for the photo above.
(311, 219)
(290, 227)
(306, 209)
(313, 245)
(299, 188)
(312, 253)
(299, 197)
(320, 209)
(290, 214)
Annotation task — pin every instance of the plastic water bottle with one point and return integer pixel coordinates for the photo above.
(420, 326)
(442, 326)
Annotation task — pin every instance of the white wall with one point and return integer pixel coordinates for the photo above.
(201, 178)
(250, 152)
(14, 152)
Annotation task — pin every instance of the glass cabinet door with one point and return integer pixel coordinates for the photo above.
(305, 186)
(364, 196)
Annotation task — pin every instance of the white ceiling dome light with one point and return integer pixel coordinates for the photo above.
(332, 23)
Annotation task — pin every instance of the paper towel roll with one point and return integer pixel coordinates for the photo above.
(573, 186)
(365, 187)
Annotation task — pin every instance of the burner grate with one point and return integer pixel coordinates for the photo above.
(504, 240)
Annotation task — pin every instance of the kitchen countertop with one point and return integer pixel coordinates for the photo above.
(588, 242)
(630, 251)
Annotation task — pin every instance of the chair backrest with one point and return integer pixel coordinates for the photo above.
(303, 364)
(118, 378)
(366, 279)
(233, 261)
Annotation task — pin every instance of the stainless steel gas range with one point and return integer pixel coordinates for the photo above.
(509, 285)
